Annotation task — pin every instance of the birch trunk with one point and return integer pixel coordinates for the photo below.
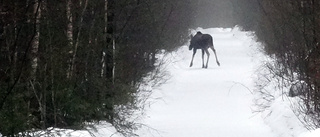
(103, 56)
(69, 35)
(113, 59)
(40, 96)
(35, 41)
(76, 45)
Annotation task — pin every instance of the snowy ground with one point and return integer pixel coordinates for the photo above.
(209, 102)
(213, 102)
(218, 101)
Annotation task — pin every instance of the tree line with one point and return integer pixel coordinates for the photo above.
(69, 62)
(289, 33)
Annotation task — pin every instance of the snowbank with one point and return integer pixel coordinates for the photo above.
(314, 133)
(103, 129)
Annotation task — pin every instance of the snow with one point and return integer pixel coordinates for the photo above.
(217, 101)
(103, 129)
(281, 118)
(315, 133)
(209, 102)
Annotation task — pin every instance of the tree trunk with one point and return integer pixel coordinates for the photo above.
(109, 55)
(103, 62)
(110, 40)
(35, 41)
(69, 35)
(75, 46)
(39, 95)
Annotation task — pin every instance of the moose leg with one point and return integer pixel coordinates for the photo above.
(194, 52)
(208, 55)
(202, 58)
(215, 54)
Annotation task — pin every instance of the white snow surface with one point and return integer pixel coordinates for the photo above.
(218, 101)
(209, 102)
(213, 102)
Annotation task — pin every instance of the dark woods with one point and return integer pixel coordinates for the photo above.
(67, 62)
(289, 33)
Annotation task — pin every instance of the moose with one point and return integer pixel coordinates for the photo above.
(203, 42)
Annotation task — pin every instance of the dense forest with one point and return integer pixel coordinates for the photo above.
(67, 63)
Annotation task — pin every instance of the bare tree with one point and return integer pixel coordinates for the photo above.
(35, 41)
(69, 34)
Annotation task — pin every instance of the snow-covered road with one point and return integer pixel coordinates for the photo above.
(213, 102)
